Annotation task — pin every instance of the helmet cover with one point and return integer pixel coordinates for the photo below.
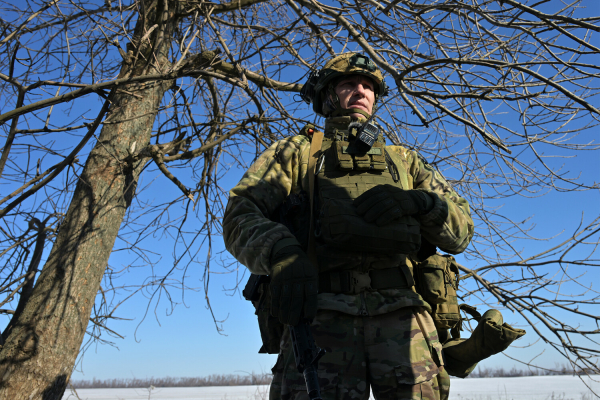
(315, 89)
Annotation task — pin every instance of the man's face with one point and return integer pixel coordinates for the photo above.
(356, 91)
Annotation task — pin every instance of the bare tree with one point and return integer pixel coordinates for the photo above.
(99, 98)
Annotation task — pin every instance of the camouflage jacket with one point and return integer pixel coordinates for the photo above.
(250, 231)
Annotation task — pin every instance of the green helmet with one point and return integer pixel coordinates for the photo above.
(321, 83)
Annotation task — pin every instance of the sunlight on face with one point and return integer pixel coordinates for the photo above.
(356, 91)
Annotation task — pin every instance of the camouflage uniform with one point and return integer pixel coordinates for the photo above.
(396, 347)
(387, 330)
(382, 338)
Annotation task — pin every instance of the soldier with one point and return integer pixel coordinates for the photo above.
(372, 205)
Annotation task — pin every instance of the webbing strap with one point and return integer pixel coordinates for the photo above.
(354, 282)
(315, 149)
(472, 311)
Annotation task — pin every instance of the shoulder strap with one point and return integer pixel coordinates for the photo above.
(315, 149)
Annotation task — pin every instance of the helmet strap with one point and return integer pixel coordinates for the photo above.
(349, 111)
(331, 105)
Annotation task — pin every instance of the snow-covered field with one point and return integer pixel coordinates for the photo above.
(528, 388)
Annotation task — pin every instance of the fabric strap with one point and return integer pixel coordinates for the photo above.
(354, 282)
(315, 150)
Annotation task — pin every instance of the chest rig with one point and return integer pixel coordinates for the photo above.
(343, 174)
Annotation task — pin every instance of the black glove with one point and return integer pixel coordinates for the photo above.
(384, 203)
(294, 286)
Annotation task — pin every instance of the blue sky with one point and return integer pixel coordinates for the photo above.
(184, 341)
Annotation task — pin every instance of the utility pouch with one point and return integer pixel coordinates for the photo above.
(362, 162)
(271, 330)
(343, 160)
(349, 157)
(437, 283)
(377, 155)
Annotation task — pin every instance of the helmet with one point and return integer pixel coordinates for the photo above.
(321, 83)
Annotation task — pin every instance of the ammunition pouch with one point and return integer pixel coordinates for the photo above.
(348, 157)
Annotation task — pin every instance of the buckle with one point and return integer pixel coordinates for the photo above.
(360, 281)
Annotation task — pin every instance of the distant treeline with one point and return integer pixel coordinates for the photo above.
(265, 379)
(500, 372)
(211, 380)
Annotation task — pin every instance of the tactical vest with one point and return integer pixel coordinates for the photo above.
(343, 237)
(344, 173)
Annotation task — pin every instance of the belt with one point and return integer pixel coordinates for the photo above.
(355, 282)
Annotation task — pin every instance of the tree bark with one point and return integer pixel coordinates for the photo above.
(40, 352)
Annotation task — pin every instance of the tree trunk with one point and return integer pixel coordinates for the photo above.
(39, 354)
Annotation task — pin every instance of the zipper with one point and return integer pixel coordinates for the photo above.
(363, 305)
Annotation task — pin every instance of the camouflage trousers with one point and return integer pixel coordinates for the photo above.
(397, 354)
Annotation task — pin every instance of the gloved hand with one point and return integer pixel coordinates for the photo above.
(294, 286)
(384, 203)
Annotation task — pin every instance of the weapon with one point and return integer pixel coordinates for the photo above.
(307, 356)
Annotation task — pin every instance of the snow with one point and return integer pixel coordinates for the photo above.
(524, 388)
(194, 393)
